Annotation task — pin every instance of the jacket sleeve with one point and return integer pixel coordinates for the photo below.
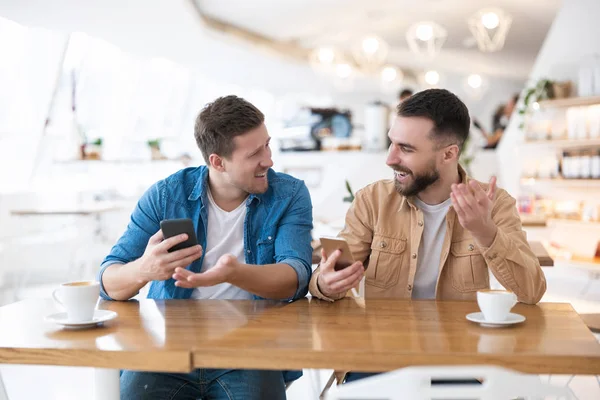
(358, 232)
(510, 258)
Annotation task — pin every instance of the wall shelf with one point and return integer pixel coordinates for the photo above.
(570, 102)
(564, 143)
(559, 182)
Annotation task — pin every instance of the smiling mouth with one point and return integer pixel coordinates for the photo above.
(401, 174)
(260, 175)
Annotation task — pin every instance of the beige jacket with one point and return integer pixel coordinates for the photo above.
(384, 229)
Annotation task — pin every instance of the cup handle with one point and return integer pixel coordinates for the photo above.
(56, 297)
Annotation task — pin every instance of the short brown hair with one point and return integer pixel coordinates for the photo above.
(222, 120)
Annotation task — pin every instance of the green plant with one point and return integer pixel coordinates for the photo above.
(154, 143)
(542, 90)
(350, 197)
(97, 142)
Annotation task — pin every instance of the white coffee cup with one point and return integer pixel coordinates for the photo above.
(496, 304)
(78, 299)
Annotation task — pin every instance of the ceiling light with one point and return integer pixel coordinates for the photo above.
(489, 28)
(389, 74)
(325, 55)
(424, 32)
(474, 81)
(432, 78)
(370, 45)
(426, 39)
(343, 70)
(490, 20)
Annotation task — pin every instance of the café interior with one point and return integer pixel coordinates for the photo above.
(99, 103)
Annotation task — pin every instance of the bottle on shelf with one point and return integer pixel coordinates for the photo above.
(595, 164)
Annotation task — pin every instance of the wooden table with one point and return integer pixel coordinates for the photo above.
(372, 335)
(382, 335)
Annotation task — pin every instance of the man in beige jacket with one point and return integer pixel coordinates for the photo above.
(431, 232)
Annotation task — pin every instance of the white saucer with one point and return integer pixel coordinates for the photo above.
(100, 316)
(512, 319)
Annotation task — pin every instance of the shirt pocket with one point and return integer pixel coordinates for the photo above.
(468, 269)
(385, 262)
(266, 250)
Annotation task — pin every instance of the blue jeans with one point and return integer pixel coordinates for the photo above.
(204, 384)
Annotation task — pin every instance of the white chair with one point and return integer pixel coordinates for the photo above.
(3, 395)
(415, 383)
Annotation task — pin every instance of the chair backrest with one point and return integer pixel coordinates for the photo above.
(415, 383)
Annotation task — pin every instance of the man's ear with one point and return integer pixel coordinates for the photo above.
(451, 153)
(216, 162)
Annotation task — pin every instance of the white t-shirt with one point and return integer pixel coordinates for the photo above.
(430, 248)
(224, 235)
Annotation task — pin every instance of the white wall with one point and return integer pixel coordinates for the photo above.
(573, 36)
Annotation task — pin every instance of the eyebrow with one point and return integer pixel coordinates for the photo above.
(410, 146)
(258, 148)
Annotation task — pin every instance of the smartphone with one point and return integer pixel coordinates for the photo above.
(174, 227)
(331, 244)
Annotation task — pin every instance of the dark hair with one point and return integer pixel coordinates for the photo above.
(448, 113)
(405, 93)
(222, 120)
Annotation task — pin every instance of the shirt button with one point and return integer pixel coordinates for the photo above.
(409, 288)
(471, 247)
(269, 237)
(248, 251)
(383, 245)
(420, 223)
(414, 255)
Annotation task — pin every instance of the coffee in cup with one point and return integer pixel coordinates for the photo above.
(496, 304)
(78, 299)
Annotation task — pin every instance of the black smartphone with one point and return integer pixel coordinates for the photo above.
(174, 227)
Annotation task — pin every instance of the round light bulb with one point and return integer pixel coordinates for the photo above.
(490, 20)
(475, 81)
(343, 70)
(388, 74)
(325, 55)
(432, 77)
(370, 45)
(424, 32)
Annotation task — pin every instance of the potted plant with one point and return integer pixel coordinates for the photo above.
(350, 197)
(93, 149)
(154, 145)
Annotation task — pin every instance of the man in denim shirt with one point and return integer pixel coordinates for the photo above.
(253, 226)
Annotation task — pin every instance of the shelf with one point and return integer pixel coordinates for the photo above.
(561, 182)
(570, 102)
(564, 143)
(538, 221)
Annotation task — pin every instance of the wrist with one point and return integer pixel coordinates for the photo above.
(137, 268)
(486, 237)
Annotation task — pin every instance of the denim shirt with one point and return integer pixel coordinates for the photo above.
(277, 228)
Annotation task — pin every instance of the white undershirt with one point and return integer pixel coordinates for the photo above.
(430, 248)
(224, 235)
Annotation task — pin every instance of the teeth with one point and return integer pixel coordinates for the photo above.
(260, 176)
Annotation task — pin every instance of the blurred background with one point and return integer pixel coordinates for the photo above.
(99, 100)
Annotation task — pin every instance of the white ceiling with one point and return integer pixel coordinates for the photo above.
(310, 23)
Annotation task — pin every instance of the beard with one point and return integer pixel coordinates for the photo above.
(419, 183)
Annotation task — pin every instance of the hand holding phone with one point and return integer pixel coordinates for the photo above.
(330, 245)
(174, 227)
(170, 248)
(338, 270)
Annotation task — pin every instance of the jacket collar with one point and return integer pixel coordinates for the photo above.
(199, 189)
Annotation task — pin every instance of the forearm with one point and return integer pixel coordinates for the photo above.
(122, 281)
(271, 281)
(516, 267)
